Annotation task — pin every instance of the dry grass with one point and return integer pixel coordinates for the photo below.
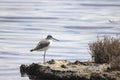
(106, 50)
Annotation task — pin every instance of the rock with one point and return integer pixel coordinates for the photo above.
(78, 63)
(63, 66)
(66, 70)
(51, 62)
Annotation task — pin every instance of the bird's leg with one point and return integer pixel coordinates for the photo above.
(44, 57)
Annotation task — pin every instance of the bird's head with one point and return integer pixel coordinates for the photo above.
(51, 38)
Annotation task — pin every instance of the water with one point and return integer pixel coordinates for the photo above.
(23, 23)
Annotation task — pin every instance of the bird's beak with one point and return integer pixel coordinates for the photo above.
(55, 39)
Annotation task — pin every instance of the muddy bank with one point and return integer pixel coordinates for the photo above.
(66, 70)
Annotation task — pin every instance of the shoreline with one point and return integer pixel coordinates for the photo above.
(66, 70)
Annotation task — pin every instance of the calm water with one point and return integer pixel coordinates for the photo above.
(23, 23)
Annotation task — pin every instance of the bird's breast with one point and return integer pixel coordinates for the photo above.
(50, 42)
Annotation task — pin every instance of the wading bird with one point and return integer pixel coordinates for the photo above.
(43, 45)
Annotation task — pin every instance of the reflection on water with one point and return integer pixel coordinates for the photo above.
(74, 22)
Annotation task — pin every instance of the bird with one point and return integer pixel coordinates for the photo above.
(43, 45)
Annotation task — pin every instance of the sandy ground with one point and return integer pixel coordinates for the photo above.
(64, 65)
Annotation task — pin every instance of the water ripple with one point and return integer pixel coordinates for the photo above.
(26, 17)
(101, 5)
(88, 27)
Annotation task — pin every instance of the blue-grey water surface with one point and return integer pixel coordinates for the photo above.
(23, 23)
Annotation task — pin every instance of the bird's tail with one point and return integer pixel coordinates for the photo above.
(31, 50)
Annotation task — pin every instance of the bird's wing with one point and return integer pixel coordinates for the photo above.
(42, 44)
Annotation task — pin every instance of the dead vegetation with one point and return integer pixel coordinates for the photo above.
(106, 50)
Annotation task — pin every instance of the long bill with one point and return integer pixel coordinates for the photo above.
(55, 39)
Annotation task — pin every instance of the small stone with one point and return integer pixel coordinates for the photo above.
(51, 61)
(63, 66)
(78, 62)
(23, 68)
